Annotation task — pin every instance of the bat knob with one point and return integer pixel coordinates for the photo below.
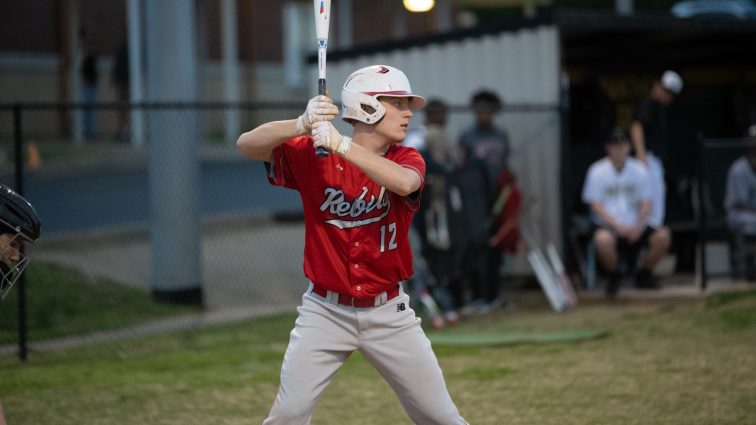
(321, 152)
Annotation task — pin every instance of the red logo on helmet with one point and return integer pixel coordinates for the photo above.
(383, 70)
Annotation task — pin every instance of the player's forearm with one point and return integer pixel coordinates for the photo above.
(387, 173)
(638, 139)
(260, 142)
(600, 212)
(644, 211)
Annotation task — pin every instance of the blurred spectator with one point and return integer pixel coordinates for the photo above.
(434, 265)
(650, 136)
(618, 191)
(506, 212)
(740, 205)
(489, 145)
(120, 78)
(471, 194)
(89, 75)
(436, 113)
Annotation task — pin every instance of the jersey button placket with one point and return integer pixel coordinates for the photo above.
(353, 266)
(355, 253)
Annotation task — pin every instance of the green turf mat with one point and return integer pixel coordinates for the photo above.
(467, 338)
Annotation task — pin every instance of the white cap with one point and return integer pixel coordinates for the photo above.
(671, 81)
(752, 131)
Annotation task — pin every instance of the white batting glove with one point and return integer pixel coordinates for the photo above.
(319, 108)
(325, 134)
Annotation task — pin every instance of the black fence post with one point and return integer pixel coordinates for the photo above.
(18, 141)
(702, 210)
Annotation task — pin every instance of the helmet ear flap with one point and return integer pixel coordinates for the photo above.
(354, 107)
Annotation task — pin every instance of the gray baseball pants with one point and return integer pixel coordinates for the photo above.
(389, 337)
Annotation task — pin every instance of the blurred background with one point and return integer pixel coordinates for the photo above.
(118, 121)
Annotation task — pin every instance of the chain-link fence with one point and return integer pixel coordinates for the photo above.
(154, 202)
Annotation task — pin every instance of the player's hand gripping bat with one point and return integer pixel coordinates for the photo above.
(322, 18)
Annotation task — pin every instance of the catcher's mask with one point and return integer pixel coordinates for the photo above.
(12, 261)
(19, 223)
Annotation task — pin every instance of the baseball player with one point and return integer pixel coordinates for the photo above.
(18, 223)
(358, 204)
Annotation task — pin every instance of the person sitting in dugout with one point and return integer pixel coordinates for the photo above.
(618, 191)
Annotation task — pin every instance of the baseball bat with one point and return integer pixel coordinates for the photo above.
(563, 278)
(545, 275)
(322, 18)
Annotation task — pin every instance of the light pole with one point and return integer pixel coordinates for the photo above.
(418, 5)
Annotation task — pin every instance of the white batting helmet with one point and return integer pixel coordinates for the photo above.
(364, 86)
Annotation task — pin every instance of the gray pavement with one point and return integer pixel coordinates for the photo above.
(248, 258)
(251, 266)
(246, 262)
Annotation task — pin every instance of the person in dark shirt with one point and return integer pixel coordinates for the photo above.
(89, 77)
(649, 133)
(120, 79)
(490, 146)
(471, 199)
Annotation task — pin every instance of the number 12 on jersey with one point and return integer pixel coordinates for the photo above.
(391, 230)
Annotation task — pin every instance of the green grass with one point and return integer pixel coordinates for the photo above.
(62, 302)
(668, 362)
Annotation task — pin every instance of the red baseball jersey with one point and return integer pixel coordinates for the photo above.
(356, 231)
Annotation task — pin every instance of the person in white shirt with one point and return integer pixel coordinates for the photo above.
(618, 190)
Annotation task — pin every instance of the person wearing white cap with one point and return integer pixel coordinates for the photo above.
(649, 132)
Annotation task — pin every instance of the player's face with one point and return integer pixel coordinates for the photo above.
(10, 246)
(664, 96)
(484, 114)
(436, 117)
(395, 122)
(618, 153)
(667, 97)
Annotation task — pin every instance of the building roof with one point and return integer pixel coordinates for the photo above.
(607, 41)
